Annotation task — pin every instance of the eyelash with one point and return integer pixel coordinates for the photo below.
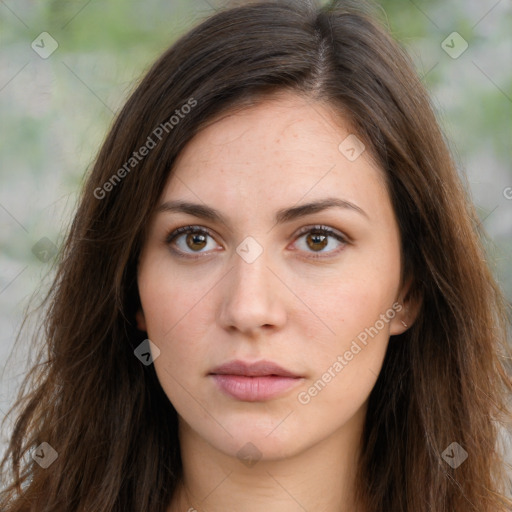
(317, 229)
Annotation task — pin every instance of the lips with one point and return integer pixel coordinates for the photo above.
(253, 382)
(258, 369)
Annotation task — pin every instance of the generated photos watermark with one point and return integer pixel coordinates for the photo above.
(144, 150)
(304, 397)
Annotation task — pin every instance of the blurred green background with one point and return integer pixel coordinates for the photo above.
(55, 112)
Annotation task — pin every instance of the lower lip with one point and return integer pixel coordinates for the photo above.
(254, 389)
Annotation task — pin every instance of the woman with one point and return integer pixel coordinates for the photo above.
(273, 294)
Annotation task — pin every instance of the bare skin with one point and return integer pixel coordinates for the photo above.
(299, 449)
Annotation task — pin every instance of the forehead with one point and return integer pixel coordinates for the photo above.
(284, 127)
(280, 150)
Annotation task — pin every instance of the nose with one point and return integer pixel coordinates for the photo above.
(253, 297)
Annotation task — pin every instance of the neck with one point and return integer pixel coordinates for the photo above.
(320, 478)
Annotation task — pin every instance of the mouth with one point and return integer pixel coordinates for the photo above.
(258, 369)
(254, 382)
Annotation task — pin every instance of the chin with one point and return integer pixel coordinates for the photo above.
(264, 439)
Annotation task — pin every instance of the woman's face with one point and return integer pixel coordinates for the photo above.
(265, 284)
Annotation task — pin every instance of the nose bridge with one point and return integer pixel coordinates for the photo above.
(250, 277)
(251, 299)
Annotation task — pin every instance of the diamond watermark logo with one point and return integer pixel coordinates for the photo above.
(147, 352)
(249, 250)
(249, 455)
(351, 147)
(454, 455)
(44, 249)
(44, 45)
(454, 45)
(44, 455)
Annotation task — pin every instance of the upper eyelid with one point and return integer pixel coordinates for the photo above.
(312, 227)
(300, 232)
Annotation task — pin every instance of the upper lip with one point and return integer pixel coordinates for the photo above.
(257, 369)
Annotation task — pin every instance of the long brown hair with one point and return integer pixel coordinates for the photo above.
(443, 381)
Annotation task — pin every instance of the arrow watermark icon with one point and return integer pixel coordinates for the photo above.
(249, 250)
(351, 147)
(454, 455)
(44, 455)
(454, 45)
(147, 352)
(44, 45)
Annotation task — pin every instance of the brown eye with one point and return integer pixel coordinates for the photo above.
(189, 239)
(318, 238)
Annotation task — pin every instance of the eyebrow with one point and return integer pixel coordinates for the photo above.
(282, 216)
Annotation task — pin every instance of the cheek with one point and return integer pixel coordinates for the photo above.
(170, 298)
(344, 366)
(346, 350)
(176, 318)
(350, 358)
(334, 397)
(347, 303)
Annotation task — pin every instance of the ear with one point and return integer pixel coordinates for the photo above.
(141, 320)
(407, 307)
